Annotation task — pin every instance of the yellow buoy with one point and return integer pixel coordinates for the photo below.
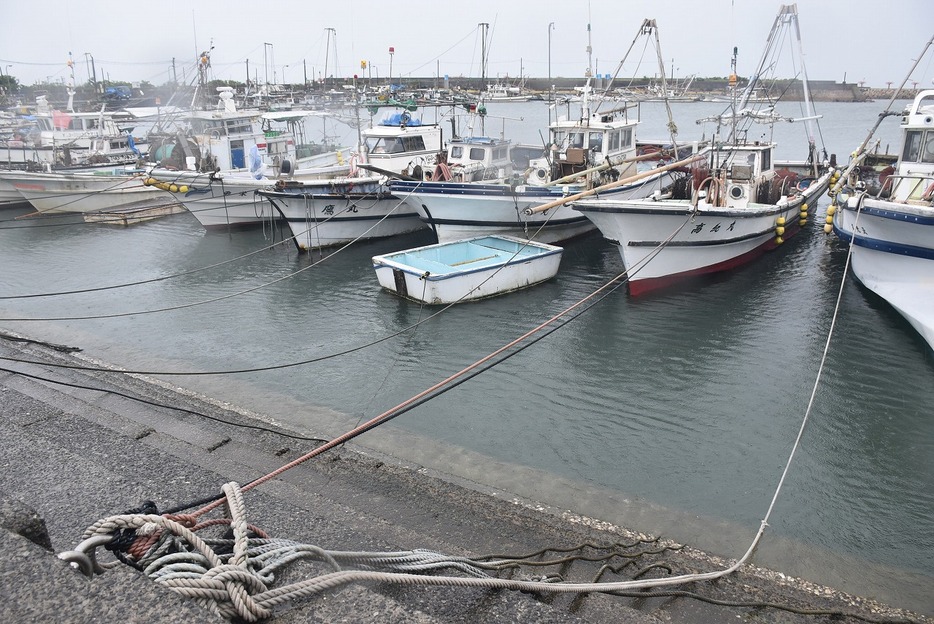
(173, 188)
(780, 230)
(183, 189)
(779, 240)
(147, 182)
(829, 219)
(831, 209)
(803, 222)
(828, 229)
(780, 221)
(804, 214)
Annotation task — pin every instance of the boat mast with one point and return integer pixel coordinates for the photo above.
(327, 48)
(808, 106)
(589, 47)
(483, 30)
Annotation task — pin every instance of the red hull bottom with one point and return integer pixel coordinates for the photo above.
(639, 287)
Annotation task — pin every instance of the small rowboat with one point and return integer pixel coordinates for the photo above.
(473, 268)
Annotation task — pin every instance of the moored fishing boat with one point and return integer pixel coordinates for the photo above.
(359, 205)
(62, 193)
(227, 155)
(723, 213)
(468, 269)
(584, 152)
(891, 227)
(51, 137)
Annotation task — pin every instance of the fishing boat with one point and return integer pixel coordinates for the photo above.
(64, 193)
(227, 154)
(891, 225)
(469, 269)
(50, 137)
(585, 151)
(359, 205)
(725, 211)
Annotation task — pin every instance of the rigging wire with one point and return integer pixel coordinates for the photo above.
(219, 298)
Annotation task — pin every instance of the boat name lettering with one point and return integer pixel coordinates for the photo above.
(329, 209)
(698, 228)
(715, 228)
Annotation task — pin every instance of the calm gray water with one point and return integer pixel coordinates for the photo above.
(685, 403)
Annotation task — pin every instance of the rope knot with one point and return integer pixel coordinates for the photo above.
(240, 585)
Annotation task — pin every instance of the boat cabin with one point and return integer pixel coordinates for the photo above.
(471, 159)
(581, 144)
(400, 143)
(226, 137)
(913, 178)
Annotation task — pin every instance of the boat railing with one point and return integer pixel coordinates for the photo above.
(920, 187)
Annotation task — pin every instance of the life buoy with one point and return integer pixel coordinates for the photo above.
(353, 165)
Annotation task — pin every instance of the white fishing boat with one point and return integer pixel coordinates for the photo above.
(469, 269)
(585, 151)
(891, 227)
(61, 193)
(50, 137)
(231, 199)
(228, 154)
(342, 209)
(728, 210)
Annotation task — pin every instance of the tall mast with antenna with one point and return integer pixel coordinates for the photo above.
(589, 47)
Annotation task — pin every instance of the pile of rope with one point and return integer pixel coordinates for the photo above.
(233, 574)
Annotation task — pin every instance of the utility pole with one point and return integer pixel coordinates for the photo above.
(174, 74)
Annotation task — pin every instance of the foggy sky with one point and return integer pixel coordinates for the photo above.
(287, 40)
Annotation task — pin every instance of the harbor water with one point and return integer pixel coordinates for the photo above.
(673, 414)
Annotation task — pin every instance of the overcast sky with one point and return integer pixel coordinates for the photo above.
(859, 40)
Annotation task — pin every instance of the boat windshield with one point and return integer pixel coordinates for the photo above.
(912, 146)
(919, 146)
(395, 145)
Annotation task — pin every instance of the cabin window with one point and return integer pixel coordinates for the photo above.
(500, 153)
(626, 139)
(912, 146)
(614, 140)
(413, 143)
(576, 139)
(457, 151)
(477, 153)
(927, 154)
(766, 160)
(386, 145)
(595, 141)
(235, 126)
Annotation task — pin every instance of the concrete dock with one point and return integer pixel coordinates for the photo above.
(105, 442)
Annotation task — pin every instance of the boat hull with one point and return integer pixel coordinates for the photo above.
(893, 255)
(462, 210)
(51, 193)
(666, 242)
(337, 213)
(220, 203)
(470, 269)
